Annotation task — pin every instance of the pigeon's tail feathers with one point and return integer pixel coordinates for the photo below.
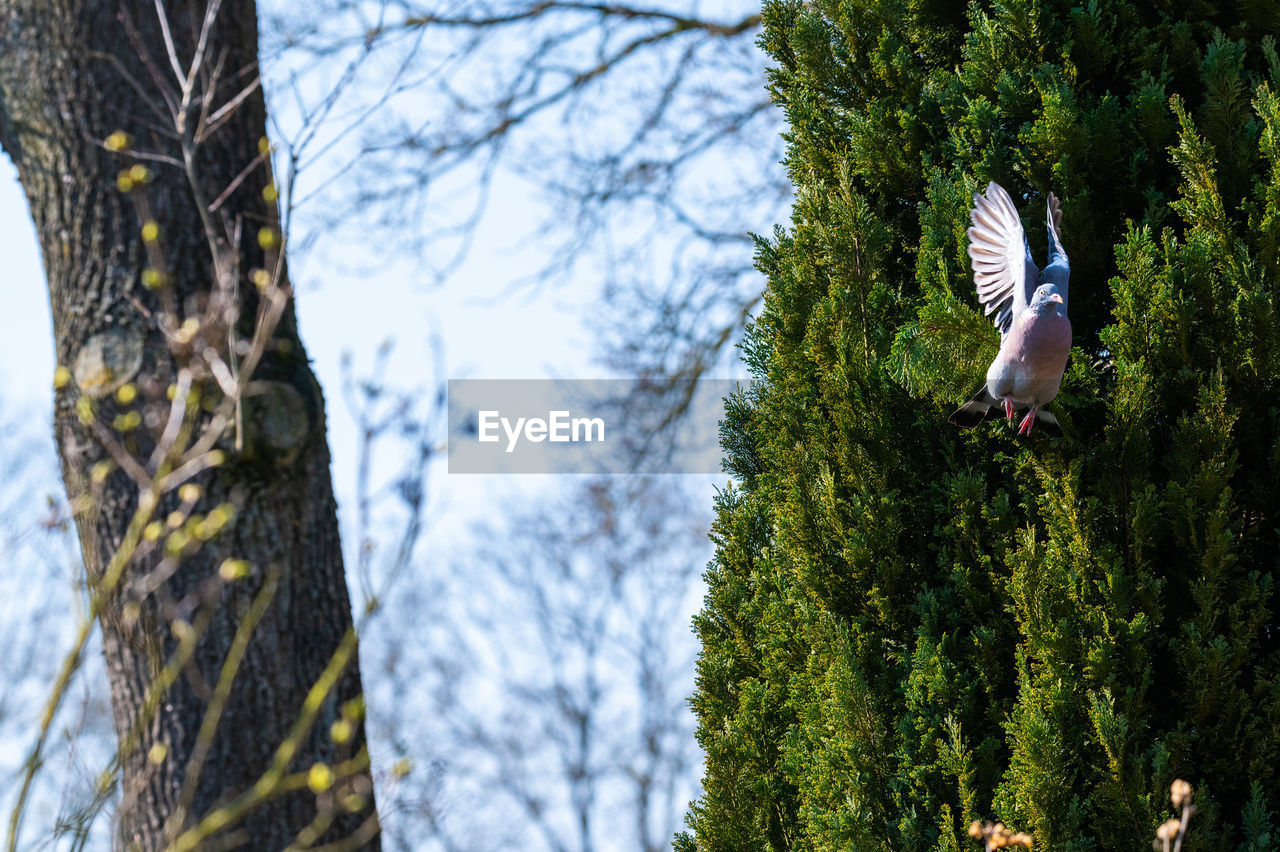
(975, 410)
(1046, 421)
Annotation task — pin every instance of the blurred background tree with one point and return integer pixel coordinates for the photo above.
(643, 141)
(549, 671)
(910, 627)
(641, 133)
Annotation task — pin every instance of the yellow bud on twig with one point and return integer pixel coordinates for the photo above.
(234, 569)
(268, 238)
(127, 422)
(320, 778)
(188, 330)
(117, 141)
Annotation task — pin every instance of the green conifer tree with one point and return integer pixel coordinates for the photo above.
(909, 626)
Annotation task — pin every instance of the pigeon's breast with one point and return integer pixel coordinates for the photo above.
(1045, 340)
(1039, 356)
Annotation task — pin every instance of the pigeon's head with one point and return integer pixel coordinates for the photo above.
(1046, 300)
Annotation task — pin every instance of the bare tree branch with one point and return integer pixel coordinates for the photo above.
(645, 126)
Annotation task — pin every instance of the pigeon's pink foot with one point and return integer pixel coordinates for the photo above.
(1027, 422)
(1008, 408)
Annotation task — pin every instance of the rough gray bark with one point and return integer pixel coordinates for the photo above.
(65, 69)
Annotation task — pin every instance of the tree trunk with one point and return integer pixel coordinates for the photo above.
(73, 72)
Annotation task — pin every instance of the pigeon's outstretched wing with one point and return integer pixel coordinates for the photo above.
(1058, 270)
(1003, 270)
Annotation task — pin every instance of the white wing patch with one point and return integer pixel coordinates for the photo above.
(998, 254)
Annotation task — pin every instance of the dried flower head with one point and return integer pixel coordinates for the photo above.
(999, 836)
(1168, 830)
(1180, 793)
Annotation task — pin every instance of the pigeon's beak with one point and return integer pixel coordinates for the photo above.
(1054, 297)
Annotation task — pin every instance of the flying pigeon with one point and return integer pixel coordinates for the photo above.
(1027, 305)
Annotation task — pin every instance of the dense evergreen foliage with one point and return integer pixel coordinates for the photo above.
(909, 626)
